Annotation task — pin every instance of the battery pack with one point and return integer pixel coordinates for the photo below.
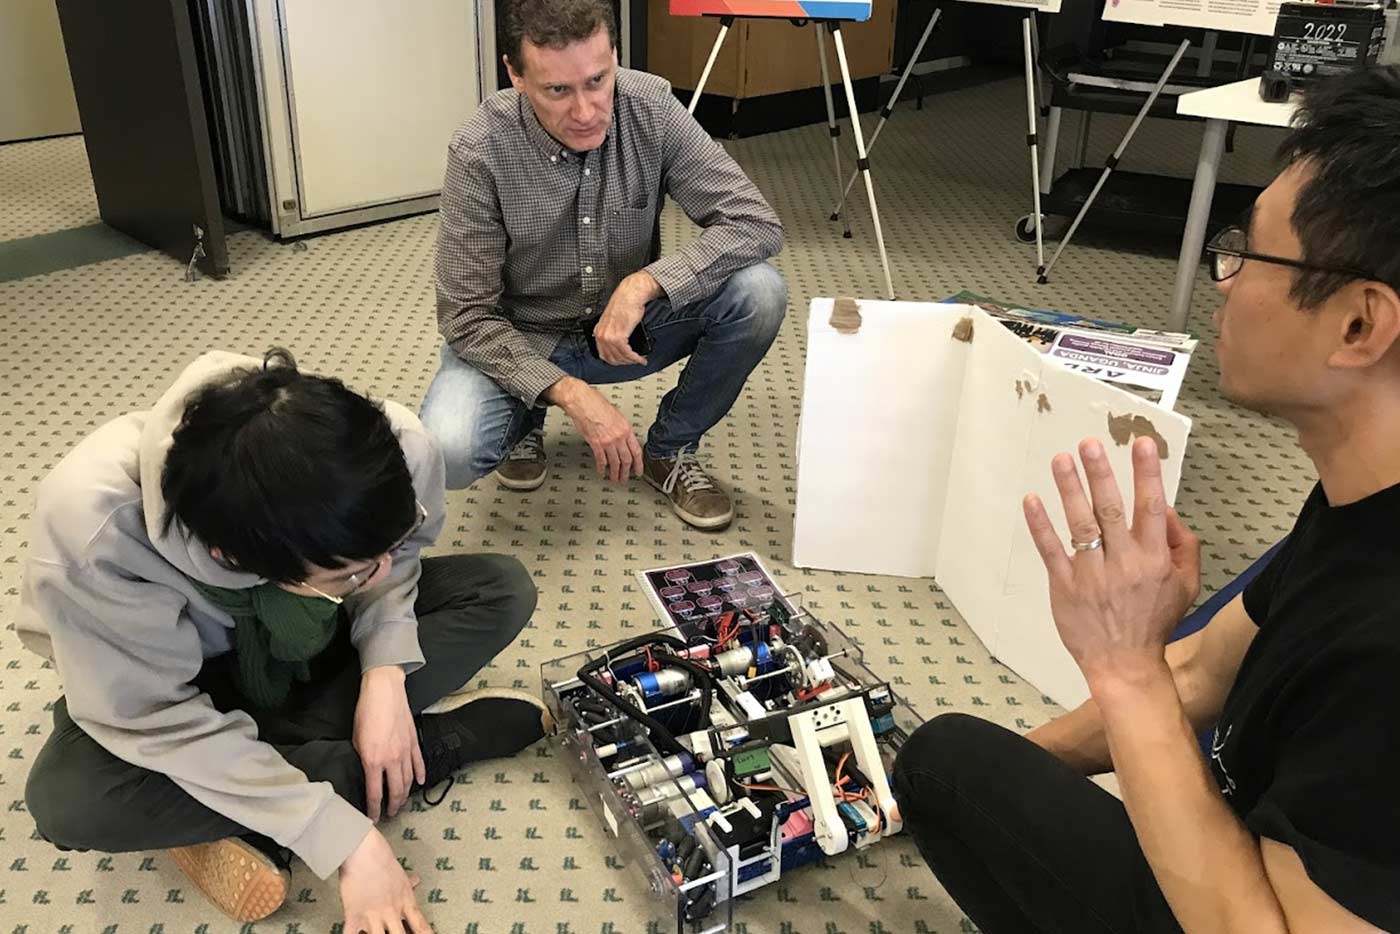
(1320, 40)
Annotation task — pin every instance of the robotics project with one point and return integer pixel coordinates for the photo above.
(739, 742)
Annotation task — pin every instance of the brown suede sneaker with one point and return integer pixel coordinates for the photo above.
(236, 876)
(694, 497)
(526, 467)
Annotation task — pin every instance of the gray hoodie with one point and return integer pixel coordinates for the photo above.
(107, 595)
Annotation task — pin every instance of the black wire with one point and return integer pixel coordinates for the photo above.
(662, 736)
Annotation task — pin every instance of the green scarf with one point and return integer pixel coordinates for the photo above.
(276, 634)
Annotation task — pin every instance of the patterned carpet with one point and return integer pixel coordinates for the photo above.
(514, 848)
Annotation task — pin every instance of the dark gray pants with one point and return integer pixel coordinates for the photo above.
(82, 797)
(1024, 844)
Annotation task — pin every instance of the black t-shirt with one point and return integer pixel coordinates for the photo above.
(1307, 750)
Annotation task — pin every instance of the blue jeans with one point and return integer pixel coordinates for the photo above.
(477, 423)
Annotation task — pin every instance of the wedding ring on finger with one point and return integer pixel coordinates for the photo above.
(1095, 545)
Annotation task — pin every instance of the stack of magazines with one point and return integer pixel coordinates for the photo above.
(1150, 363)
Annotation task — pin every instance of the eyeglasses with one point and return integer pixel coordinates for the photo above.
(355, 580)
(1228, 252)
(359, 579)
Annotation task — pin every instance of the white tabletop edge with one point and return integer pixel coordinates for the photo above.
(1237, 102)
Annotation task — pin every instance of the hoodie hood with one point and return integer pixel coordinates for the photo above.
(178, 545)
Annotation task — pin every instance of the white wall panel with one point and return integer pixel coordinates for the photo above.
(375, 88)
(36, 91)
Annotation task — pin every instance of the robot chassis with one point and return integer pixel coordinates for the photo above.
(728, 750)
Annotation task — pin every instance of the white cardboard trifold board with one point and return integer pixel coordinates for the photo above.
(916, 447)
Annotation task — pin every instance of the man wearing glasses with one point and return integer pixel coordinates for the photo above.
(1290, 824)
(253, 654)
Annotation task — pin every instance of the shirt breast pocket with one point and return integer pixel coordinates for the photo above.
(630, 238)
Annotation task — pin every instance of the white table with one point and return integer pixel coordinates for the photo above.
(1230, 103)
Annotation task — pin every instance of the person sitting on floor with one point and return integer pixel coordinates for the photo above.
(1292, 824)
(548, 274)
(253, 654)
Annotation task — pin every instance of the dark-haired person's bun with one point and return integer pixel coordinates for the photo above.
(279, 356)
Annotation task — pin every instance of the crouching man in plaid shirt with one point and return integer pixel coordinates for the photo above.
(549, 278)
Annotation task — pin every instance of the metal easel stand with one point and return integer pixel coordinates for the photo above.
(838, 212)
(833, 130)
(862, 157)
(1036, 220)
(1043, 273)
(1050, 114)
(1028, 226)
(725, 22)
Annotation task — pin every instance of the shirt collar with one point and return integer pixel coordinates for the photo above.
(548, 145)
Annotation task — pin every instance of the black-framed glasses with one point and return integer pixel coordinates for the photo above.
(1228, 251)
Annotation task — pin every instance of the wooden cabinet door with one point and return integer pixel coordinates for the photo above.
(137, 84)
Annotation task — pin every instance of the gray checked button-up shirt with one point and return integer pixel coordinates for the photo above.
(533, 238)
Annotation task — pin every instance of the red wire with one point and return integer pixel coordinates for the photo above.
(723, 631)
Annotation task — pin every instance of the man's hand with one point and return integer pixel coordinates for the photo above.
(376, 893)
(1115, 606)
(386, 740)
(622, 316)
(616, 452)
